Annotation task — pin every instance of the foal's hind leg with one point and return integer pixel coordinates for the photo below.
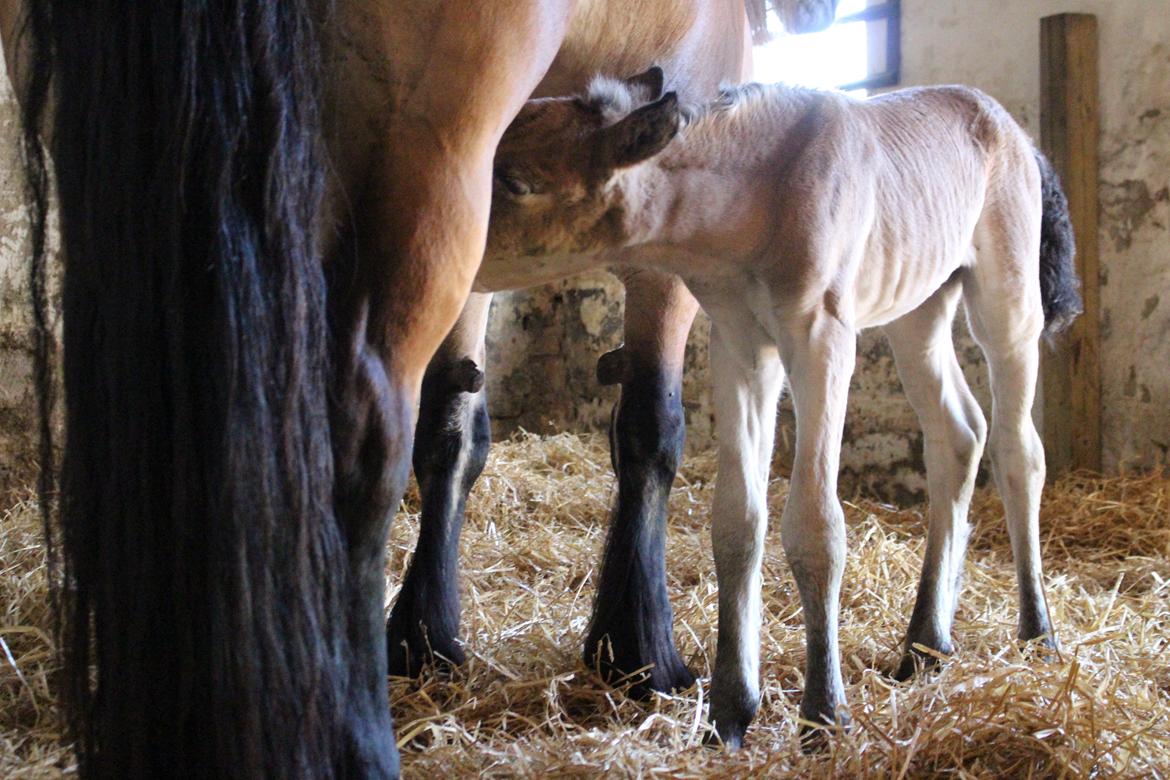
(632, 625)
(451, 444)
(747, 379)
(1003, 309)
(954, 431)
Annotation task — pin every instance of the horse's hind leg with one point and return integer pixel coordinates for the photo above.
(631, 628)
(1003, 308)
(450, 448)
(747, 382)
(954, 431)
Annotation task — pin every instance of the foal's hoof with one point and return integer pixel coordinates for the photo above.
(917, 660)
(1041, 648)
(731, 715)
(730, 737)
(817, 731)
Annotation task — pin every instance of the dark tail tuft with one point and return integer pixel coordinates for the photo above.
(1060, 290)
(201, 589)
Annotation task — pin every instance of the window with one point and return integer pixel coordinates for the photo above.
(861, 51)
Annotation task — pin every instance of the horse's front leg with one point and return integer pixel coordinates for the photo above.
(450, 448)
(371, 416)
(748, 377)
(819, 356)
(632, 626)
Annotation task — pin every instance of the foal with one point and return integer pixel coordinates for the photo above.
(797, 218)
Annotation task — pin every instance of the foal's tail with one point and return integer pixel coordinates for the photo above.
(200, 580)
(1060, 290)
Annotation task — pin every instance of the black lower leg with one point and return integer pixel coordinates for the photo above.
(923, 630)
(450, 449)
(371, 428)
(631, 632)
(1035, 626)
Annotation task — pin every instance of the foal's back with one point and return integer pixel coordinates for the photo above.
(904, 180)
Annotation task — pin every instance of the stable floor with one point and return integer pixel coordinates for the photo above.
(525, 706)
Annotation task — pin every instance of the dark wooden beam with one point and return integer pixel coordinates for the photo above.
(1069, 131)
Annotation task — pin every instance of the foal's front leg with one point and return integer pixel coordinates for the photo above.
(747, 383)
(450, 449)
(820, 361)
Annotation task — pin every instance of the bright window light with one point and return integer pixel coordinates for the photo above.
(826, 60)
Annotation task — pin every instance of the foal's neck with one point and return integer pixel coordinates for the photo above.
(711, 188)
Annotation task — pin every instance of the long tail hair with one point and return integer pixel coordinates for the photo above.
(200, 574)
(1060, 290)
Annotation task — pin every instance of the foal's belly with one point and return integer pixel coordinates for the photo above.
(497, 274)
(907, 259)
(902, 285)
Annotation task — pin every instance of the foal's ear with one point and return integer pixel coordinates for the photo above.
(642, 134)
(649, 82)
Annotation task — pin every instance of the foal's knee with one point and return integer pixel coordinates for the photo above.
(813, 534)
(738, 532)
(971, 438)
(964, 446)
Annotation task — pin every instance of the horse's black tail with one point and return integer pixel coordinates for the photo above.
(201, 576)
(1060, 290)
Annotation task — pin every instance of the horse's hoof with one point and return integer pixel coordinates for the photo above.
(416, 655)
(814, 739)
(668, 681)
(665, 674)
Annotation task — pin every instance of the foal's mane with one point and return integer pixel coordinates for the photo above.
(615, 99)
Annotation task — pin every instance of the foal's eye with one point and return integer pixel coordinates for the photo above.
(513, 184)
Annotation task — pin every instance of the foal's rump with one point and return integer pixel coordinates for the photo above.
(957, 173)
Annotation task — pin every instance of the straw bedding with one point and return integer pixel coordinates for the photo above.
(525, 706)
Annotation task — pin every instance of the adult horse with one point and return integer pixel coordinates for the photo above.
(271, 215)
(701, 46)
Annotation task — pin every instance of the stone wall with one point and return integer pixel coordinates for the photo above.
(992, 45)
(16, 398)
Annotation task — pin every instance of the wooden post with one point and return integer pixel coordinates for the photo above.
(1069, 134)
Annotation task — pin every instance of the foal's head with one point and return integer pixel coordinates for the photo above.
(553, 189)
